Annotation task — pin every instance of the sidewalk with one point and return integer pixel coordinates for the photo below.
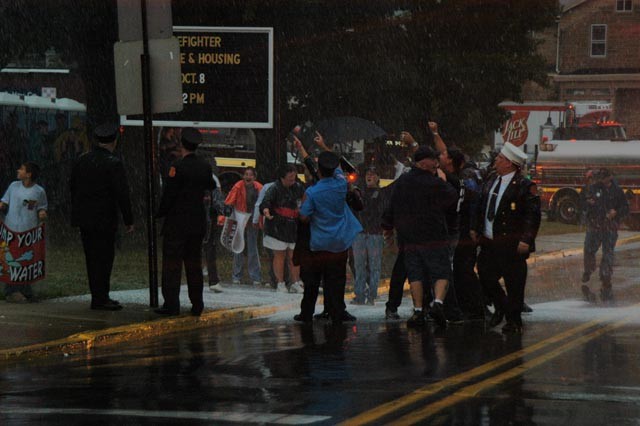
(68, 325)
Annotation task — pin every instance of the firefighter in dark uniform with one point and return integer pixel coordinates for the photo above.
(507, 225)
(605, 206)
(185, 222)
(99, 189)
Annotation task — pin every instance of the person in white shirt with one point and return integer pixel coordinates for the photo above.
(25, 205)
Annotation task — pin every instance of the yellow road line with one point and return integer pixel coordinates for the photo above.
(431, 389)
(480, 387)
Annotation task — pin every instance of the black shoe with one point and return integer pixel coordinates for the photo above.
(496, 318)
(391, 315)
(347, 317)
(115, 302)
(455, 317)
(511, 328)
(166, 311)
(324, 315)
(585, 277)
(300, 318)
(196, 312)
(416, 320)
(356, 302)
(588, 295)
(437, 312)
(108, 306)
(526, 308)
(606, 295)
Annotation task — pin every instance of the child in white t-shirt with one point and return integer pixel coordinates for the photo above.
(25, 205)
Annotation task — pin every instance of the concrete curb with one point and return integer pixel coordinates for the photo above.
(87, 340)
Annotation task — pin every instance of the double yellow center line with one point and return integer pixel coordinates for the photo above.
(473, 390)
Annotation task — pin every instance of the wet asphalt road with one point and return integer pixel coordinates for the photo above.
(575, 363)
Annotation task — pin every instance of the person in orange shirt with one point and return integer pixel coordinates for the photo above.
(243, 197)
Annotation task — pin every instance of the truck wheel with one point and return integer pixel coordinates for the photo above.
(567, 209)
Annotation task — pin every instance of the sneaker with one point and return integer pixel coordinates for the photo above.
(300, 318)
(16, 297)
(282, 287)
(370, 302)
(296, 287)
(391, 315)
(496, 318)
(585, 277)
(588, 295)
(416, 320)
(257, 283)
(324, 315)
(511, 328)
(216, 288)
(437, 312)
(356, 302)
(347, 317)
(235, 282)
(606, 295)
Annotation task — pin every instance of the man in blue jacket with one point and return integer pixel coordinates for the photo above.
(333, 230)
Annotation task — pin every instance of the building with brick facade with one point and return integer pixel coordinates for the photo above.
(593, 53)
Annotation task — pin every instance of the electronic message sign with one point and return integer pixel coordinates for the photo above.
(227, 79)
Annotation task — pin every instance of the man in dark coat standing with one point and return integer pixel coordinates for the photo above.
(605, 206)
(507, 225)
(99, 189)
(185, 223)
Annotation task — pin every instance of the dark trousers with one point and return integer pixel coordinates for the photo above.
(594, 238)
(396, 283)
(331, 270)
(496, 261)
(468, 287)
(99, 252)
(210, 256)
(176, 250)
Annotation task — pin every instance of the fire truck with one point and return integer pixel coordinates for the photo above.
(230, 151)
(560, 170)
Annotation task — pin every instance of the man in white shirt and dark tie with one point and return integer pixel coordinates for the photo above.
(508, 222)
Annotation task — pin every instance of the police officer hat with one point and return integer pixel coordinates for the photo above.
(106, 132)
(425, 152)
(328, 160)
(191, 136)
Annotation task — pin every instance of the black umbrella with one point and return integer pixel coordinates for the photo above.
(348, 129)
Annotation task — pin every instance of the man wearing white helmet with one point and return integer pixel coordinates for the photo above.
(506, 228)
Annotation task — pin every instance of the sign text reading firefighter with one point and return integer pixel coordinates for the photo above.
(202, 50)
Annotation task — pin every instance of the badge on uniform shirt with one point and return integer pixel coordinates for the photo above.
(513, 206)
(172, 172)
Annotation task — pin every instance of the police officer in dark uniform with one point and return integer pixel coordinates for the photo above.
(508, 222)
(185, 222)
(99, 189)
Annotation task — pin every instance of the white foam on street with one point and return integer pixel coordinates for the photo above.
(221, 416)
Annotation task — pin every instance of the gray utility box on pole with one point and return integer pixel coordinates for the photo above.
(166, 78)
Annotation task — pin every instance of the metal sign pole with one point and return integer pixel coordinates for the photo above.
(150, 154)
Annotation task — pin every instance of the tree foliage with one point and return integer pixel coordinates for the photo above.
(392, 61)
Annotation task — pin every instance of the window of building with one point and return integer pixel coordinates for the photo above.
(598, 40)
(600, 92)
(624, 5)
